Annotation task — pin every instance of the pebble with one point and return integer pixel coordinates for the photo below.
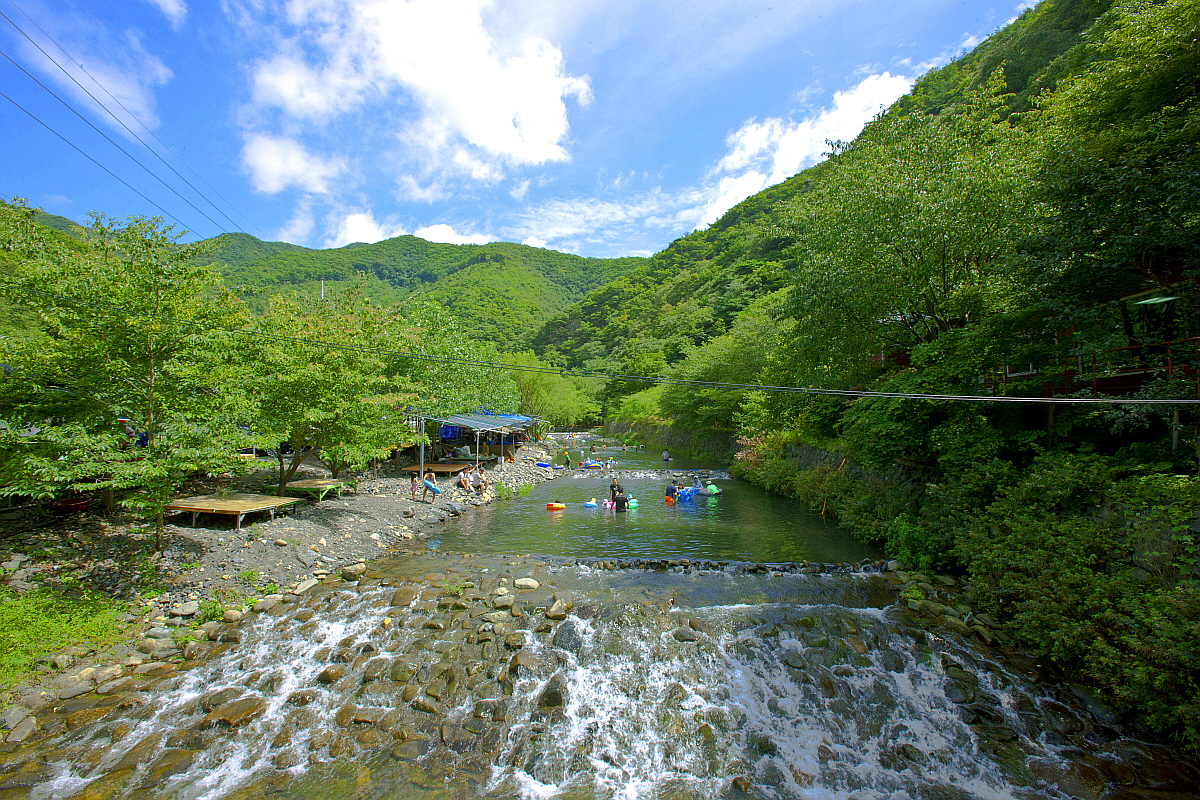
(526, 583)
(187, 609)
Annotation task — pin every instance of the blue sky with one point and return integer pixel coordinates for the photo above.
(598, 127)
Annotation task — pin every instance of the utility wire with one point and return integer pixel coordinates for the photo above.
(114, 310)
(94, 161)
(110, 141)
(123, 108)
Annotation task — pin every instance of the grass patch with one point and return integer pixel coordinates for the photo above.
(41, 622)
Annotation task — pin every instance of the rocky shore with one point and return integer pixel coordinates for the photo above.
(211, 571)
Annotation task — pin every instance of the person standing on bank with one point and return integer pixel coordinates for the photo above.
(430, 486)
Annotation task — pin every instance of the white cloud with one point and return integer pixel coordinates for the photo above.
(361, 226)
(445, 234)
(759, 154)
(288, 82)
(277, 163)
(297, 229)
(173, 10)
(764, 153)
(533, 241)
(461, 102)
(110, 65)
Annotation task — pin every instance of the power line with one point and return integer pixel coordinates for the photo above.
(94, 161)
(125, 109)
(110, 141)
(860, 393)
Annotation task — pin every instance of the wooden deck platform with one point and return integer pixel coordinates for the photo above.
(318, 488)
(234, 504)
(470, 461)
(437, 469)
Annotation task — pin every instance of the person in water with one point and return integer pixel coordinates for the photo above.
(696, 482)
(666, 455)
(671, 491)
(620, 501)
(567, 455)
(712, 487)
(614, 489)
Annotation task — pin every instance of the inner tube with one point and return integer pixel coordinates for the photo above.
(556, 466)
(590, 504)
(542, 464)
(632, 503)
(429, 485)
(555, 506)
(591, 465)
(668, 499)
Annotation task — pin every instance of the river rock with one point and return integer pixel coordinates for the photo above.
(305, 585)
(158, 633)
(1061, 719)
(266, 604)
(403, 596)
(231, 615)
(428, 705)
(683, 634)
(562, 605)
(523, 660)
(554, 694)
(332, 674)
(235, 713)
(526, 583)
(503, 601)
(568, 637)
(188, 609)
(22, 730)
(353, 572)
(219, 698)
(959, 692)
(171, 763)
(13, 715)
(794, 660)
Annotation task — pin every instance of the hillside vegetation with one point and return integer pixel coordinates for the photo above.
(495, 291)
(1025, 222)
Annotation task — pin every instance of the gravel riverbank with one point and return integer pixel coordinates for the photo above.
(169, 591)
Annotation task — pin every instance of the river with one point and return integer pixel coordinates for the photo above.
(739, 647)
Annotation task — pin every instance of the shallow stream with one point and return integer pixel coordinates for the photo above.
(671, 654)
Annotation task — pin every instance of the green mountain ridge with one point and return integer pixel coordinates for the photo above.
(498, 291)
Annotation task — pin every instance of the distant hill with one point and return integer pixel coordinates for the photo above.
(57, 223)
(499, 291)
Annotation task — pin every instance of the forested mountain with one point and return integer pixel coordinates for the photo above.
(692, 290)
(1025, 223)
(497, 291)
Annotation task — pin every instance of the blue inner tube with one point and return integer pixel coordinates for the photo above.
(542, 464)
(429, 485)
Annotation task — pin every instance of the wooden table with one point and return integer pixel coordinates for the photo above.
(234, 503)
(318, 488)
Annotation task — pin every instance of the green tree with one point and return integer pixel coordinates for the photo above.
(129, 326)
(320, 373)
(907, 235)
(547, 394)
